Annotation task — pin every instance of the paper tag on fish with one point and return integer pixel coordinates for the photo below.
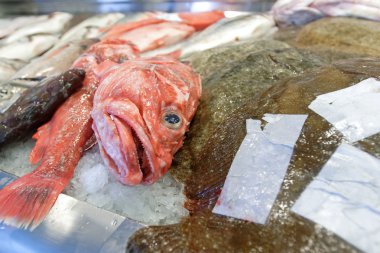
(354, 111)
(345, 198)
(259, 167)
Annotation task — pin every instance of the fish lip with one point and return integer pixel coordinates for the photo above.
(140, 134)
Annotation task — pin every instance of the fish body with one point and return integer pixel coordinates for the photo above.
(150, 34)
(292, 12)
(89, 28)
(35, 106)
(341, 34)
(142, 110)
(8, 67)
(224, 31)
(284, 230)
(55, 61)
(227, 88)
(55, 24)
(8, 26)
(29, 47)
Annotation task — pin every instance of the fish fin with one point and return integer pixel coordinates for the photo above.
(42, 136)
(25, 202)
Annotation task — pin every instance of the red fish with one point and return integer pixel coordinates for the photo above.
(142, 110)
(60, 142)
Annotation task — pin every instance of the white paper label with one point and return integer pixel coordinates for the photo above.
(345, 198)
(354, 111)
(259, 167)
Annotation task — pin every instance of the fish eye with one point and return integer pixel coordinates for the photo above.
(172, 120)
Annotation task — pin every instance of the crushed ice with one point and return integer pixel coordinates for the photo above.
(160, 203)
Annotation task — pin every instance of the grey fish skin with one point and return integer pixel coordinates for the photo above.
(8, 67)
(36, 105)
(55, 61)
(224, 31)
(284, 231)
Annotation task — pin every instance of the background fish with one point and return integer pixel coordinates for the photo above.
(8, 67)
(222, 32)
(8, 26)
(284, 231)
(89, 28)
(35, 106)
(29, 47)
(55, 61)
(54, 24)
(293, 12)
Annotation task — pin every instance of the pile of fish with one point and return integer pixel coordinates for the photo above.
(138, 85)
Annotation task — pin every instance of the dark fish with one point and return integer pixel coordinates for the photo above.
(36, 105)
(347, 35)
(284, 231)
(230, 86)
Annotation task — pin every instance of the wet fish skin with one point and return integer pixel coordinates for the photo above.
(55, 24)
(28, 48)
(341, 34)
(226, 89)
(8, 26)
(293, 12)
(36, 105)
(284, 231)
(89, 28)
(55, 61)
(224, 31)
(8, 67)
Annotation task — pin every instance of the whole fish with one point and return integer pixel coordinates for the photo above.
(150, 34)
(142, 110)
(227, 88)
(55, 24)
(224, 31)
(55, 61)
(348, 35)
(8, 67)
(29, 47)
(8, 26)
(284, 231)
(35, 106)
(89, 28)
(293, 12)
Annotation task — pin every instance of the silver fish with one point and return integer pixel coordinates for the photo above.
(90, 28)
(8, 67)
(294, 12)
(28, 47)
(55, 24)
(55, 61)
(225, 31)
(9, 25)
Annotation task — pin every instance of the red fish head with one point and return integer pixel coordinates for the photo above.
(142, 110)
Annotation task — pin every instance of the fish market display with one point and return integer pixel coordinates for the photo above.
(285, 231)
(89, 28)
(139, 126)
(294, 12)
(29, 47)
(55, 61)
(229, 88)
(222, 32)
(347, 35)
(150, 34)
(35, 106)
(54, 24)
(8, 26)
(8, 67)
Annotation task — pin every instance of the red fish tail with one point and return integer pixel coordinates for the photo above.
(25, 202)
